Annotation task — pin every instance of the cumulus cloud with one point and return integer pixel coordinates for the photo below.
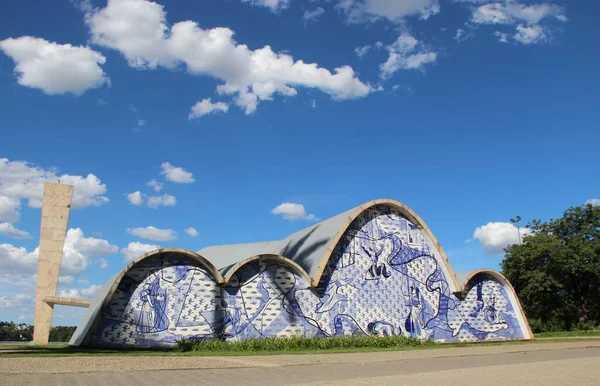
(8, 229)
(55, 68)
(366, 11)
(513, 12)
(314, 15)
(135, 198)
(164, 200)
(273, 5)
(155, 185)
(502, 37)
(406, 53)
(191, 232)
(531, 35)
(103, 263)
(138, 29)
(292, 211)
(21, 302)
(205, 107)
(20, 180)
(78, 252)
(135, 249)
(462, 35)
(362, 51)
(527, 17)
(9, 208)
(153, 233)
(176, 174)
(81, 293)
(66, 279)
(495, 236)
(593, 201)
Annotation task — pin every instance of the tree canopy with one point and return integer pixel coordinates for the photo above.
(556, 270)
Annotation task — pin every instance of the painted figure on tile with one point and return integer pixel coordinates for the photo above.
(153, 315)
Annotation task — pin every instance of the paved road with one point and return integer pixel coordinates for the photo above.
(533, 364)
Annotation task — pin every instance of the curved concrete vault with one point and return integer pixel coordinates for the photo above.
(375, 269)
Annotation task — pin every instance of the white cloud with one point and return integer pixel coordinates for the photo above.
(176, 174)
(531, 35)
(157, 186)
(513, 12)
(103, 263)
(528, 31)
(495, 236)
(17, 259)
(141, 123)
(20, 301)
(66, 279)
(593, 201)
(55, 68)
(90, 246)
(314, 15)
(406, 53)
(139, 30)
(77, 254)
(273, 5)
(291, 211)
(135, 198)
(313, 103)
(136, 249)
(153, 233)
(403, 88)
(462, 35)
(8, 229)
(164, 200)
(502, 37)
(9, 208)
(80, 293)
(83, 5)
(19, 180)
(191, 232)
(364, 11)
(205, 107)
(362, 51)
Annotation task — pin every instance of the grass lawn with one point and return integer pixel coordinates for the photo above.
(569, 334)
(281, 346)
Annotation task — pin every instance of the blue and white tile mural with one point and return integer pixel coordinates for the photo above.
(384, 278)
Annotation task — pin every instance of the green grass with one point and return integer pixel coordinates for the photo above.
(569, 334)
(278, 346)
(304, 344)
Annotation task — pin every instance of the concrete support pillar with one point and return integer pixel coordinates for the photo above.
(55, 216)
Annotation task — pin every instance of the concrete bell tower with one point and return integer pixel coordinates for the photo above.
(55, 217)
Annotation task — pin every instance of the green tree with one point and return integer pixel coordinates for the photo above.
(556, 270)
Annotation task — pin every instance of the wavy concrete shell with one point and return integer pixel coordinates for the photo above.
(305, 252)
(466, 278)
(281, 259)
(107, 291)
(312, 247)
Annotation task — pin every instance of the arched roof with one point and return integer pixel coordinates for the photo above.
(465, 279)
(311, 248)
(279, 259)
(105, 294)
(306, 252)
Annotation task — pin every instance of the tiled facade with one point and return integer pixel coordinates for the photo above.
(385, 277)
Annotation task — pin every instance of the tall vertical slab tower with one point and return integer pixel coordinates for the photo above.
(55, 217)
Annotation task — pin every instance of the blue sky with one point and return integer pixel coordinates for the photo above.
(469, 111)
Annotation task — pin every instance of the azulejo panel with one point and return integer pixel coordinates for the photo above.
(383, 278)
